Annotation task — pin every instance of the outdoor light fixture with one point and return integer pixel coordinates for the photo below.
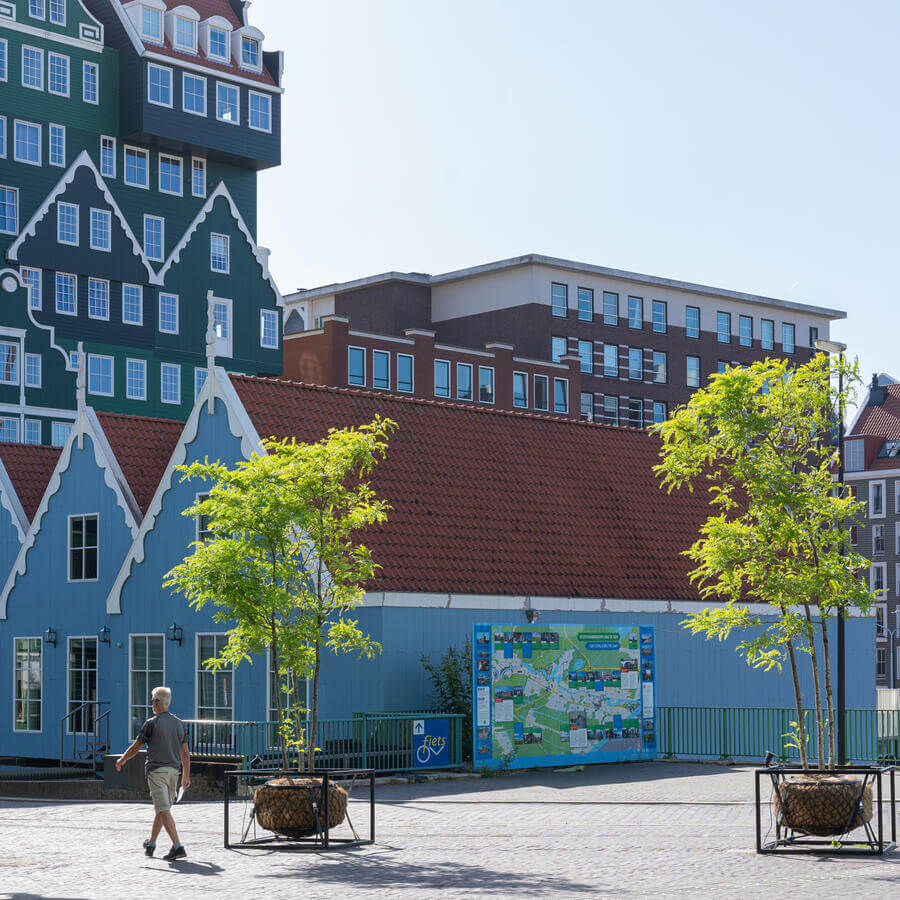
(50, 636)
(175, 633)
(830, 346)
(103, 634)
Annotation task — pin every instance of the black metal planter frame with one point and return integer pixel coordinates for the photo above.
(789, 840)
(322, 840)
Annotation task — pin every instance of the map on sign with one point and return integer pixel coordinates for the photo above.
(560, 694)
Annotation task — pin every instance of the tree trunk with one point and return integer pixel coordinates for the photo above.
(314, 712)
(277, 667)
(798, 699)
(832, 721)
(814, 662)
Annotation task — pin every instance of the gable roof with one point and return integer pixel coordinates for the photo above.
(29, 467)
(492, 502)
(882, 419)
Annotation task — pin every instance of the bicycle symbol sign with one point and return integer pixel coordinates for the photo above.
(431, 743)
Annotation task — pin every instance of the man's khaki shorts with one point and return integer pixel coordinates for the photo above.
(163, 783)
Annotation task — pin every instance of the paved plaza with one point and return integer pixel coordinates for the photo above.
(639, 830)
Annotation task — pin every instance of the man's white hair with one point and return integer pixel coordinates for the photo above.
(163, 694)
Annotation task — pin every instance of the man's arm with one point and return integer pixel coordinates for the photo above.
(133, 750)
(185, 766)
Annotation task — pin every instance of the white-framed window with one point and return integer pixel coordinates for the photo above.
(170, 168)
(221, 317)
(132, 304)
(219, 253)
(32, 68)
(28, 676)
(154, 237)
(2, 136)
(31, 278)
(356, 366)
(100, 375)
(98, 298)
(152, 24)
(33, 370)
(381, 369)
(215, 690)
(878, 540)
(4, 60)
(880, 662)
(877, 579)
(101, 229)
(32, 431)
(561, 395)
(168, 313)
(193, 94)
(897, 578)
(9, 362)
(58, 74)
(108, 156)
(250, 54)
(897, 502)
(66, 294)
(876, 500)
(59, 433)
(58, 12)
(880, 621)
(541, 392)
(204, 532)
(137, 167)
(485, 384)
(260, 106)
(67, 223)
(442, 378)
(84, 548)
(185, 34)
(146, 671)
(136, 379)
(74, 361)
(404, 373)
(170, 383)
(9, 430)
(36, 9)
(228, 103)
(520, 390)
(268, 329)
(218, 45)
(159, 85)
(81, 681)
(200, 376)
(57, 155)
(90, 83)
(27, 143)
(854, 455)
(463, 381)
(9, 210)
(198, 177)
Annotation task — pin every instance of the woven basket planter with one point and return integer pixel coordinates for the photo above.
(822, 805)
(285, 806)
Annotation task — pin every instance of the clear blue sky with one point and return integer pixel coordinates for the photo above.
(753, 147)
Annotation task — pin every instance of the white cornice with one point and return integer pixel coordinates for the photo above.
(80, 43)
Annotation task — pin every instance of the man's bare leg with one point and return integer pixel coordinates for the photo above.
(164, 820)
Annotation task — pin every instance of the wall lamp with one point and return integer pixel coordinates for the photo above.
(175, 633)
(50, 636)
(103, 634)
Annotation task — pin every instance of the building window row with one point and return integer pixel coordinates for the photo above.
(380, 370)
(639, 364)
(39, 9)
(136, 169)
(51, 70)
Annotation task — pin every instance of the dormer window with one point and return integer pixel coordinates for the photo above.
(250, 58)
(186, 34)
(151, 24)
(218, 44)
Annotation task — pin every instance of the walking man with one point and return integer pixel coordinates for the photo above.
(167, 756)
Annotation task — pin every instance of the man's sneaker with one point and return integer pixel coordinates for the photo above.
(149, 847)
(176, 853)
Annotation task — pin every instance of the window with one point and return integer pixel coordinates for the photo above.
(58, 12)
(215, 695)
(9, 430)
(170, 382)
(27, 147)
(59, 433)
(660, 411)
(31, 278)
(74, 361)
(159, 85)
(136, 379)
(723, 327)
(787, 337)
(268, 329)
(876, 578)
(57, 145)
(660, 367)
(90, 83)
(151, 24)
(559, 300)
(636, 313)
(854, 455)
(356, 366)
(33, 68)
(880, 663)
(228, 103)
(463, 381)
(485, 384)
(878, 540)
(82, 684)
(154, 240)
(168, 313)
(586, 354)
(260, 106)
(193, 94)
(36, 9)
(2, 136)
(219, 253)
(610, 409)
(520, 390)
(132, 304)
(692, 371)
(58, 74)
(221, 314)
(66, 294)
(147, 670)
(250, 58)
(28, 677)
(83, 548)
(218, 44)
(745, 331)
(198, 177)
(200, 376)
(137, 167)
(381, 369)
(635, 364)
(98, 298)
(611, 360)
(67, 224)
(585, 304)
(204, 531)
(610, 308)
(4, 57)
(541, 392)
(813, 336)
(441, 378)
(100, 375)
(108, 157)
(404, 373)
(185, 34)
(561, 396)
(876, 500)
(170, 174)
(101, 224)
(9, 210)
(721, 367)
(587, 406)
(32, 431)
(767, 334)
(636, 413)
(692, 321)
(660, 317)
(558, 347)
(9, 363)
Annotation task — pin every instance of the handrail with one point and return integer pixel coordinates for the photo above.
(99, 725)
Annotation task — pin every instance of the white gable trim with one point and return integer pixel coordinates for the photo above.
(82, 161)
(9, 500)
(53, 345)
(128, 25)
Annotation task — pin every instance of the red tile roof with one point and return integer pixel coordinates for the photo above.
(884, 420)
(491, 502)
(143, 447)
(30, 467)
(209, 8)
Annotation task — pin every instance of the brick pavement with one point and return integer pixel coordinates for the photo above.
(644, 830)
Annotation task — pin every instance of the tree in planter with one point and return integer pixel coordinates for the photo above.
(283, 564)
(758, 438)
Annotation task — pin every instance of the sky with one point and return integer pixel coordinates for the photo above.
(748, 146)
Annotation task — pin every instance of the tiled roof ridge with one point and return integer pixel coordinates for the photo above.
(23, 445)
(104, 414)
(446, 404)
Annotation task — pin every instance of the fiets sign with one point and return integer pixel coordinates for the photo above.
(431, 743)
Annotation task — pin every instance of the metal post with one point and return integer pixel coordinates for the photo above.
(841, 668)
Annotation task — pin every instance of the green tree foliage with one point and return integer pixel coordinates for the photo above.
(758, 439)
(451, 683)
(283, 566)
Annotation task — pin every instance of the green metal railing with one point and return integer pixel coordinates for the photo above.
(747, 733)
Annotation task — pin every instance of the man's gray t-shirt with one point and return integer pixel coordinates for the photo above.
(163, 734)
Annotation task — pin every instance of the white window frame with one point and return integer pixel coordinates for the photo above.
(4, 135)
(852, 446)
(412, 373)
(162, 27)
(365, 373)
(94, 68)
(40, 143)
(131, 703)
(53, 429)
(4, 72)
(881, 633)
(524, 376)
(69, 549)
(40, 370)
(212, 268)
(139, 151)
(40, 52)
(91, 281)
(226, 33)
(12, 421)
(43, 14)
(449, 393)
(168, 157)
(112, 375)
(17, 348)
(128, 392)
(162, 238)
(883, 513)
(140, 289)
(107, 214)
(52, 129)
(882, 594)
(250, 67)
(493, 399)
(171, 71)
(224, 345)
(15, 193)
(162, 367)
(57, 310)
(194, 167)
(228, 85)
(194, 112)
(30, 423)
(268, 99)
(39, 288)
(198, 372)
(198, 669)
(159, 323)
(57, 21)
(195, 28)
(40, 702)
(51, 54)
(112, 140)
(68, 206)
(270, 314)
(875, 528)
